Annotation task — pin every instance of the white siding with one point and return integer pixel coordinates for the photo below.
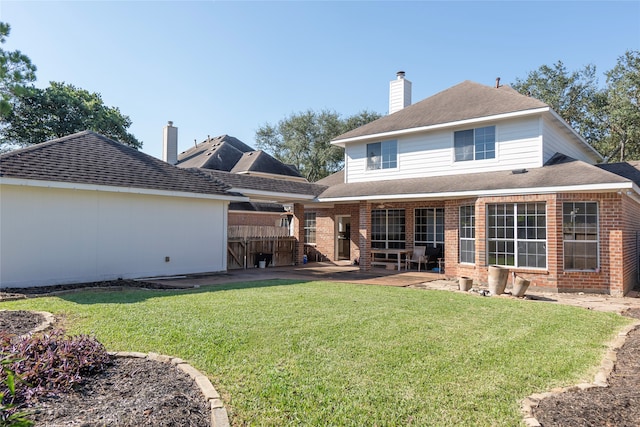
(518, 145)
(558, 140)
(50, 236)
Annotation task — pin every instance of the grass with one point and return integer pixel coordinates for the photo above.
(326, 354)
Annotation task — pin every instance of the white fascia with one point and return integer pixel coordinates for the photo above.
(270, 195)
(499, 192)
(114, 189)
(402, 132)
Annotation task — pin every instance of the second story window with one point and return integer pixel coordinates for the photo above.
(475, 144)
(382, 155)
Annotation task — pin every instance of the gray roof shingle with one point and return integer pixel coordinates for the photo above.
(250, 182)
(467, 100)
(227, 153)
(560, 172)
(89, 158)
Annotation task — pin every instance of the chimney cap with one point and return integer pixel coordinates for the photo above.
(169, 123)
(400, 74)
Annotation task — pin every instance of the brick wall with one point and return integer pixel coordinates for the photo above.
(619, 221)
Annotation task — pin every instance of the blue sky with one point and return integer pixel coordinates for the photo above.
(223, 67)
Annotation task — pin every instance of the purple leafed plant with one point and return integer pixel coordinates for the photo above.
(50, 363)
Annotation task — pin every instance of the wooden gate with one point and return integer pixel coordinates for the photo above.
(245, 249)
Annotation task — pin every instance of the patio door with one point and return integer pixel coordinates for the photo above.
(343, 237)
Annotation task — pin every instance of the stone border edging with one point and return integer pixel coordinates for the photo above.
(219, 416)
(600, 380)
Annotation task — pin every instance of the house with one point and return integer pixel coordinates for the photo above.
(228, 154)
(84, 208)
(480, 175)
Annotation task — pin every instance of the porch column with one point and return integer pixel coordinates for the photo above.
(364, 242)
(298, 232)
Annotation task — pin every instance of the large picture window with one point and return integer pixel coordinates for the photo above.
(517, 234)
(388, 229)
(382, 155)
(310, 227)
(580, 235)
(429, 226)
(467, 232)
(475, 144)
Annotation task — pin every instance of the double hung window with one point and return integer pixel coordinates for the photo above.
(382, 155)
(475, 144)
(467, 232)
(580, 235)
(310, 227)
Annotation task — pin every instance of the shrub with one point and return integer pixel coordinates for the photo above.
(48, 364)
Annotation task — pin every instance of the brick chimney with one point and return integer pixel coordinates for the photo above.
(399, 93)
(170, 144)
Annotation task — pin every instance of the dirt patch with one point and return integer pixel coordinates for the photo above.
(19, 322)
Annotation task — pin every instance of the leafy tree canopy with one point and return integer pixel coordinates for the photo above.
(16, 70)
(61, 109)
(303, 140)
(621, 108)
(608, 118)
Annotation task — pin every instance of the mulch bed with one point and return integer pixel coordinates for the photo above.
(139, 392)
(130, 392)
(617, 405)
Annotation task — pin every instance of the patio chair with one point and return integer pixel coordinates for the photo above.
(417, 257)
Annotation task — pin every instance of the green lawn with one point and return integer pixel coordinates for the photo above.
(327, 354)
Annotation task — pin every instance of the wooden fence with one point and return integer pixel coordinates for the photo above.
(245, 249)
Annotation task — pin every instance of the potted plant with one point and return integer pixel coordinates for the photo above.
(498, 276)
(520, 285)
(465, 283)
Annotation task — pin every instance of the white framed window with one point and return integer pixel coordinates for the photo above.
(388, 229)
(580, 235)
(382, 155)
(517, 234)
(475, 144)
(428, 226)
(467, 233)
(310, 227)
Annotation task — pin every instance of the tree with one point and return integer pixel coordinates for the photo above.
(16, 70)
(572, 95)
(620, 120)
(303, 140)
(61, 109)
(608, 118)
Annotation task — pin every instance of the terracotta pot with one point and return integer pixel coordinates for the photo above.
(465, 283)
(520, 287)
(498, 276)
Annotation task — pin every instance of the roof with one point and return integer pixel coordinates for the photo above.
(226, 153)
(467, 100)
(259, 161)
(629, 170)
(270, 188)
(333, 179)
(89, 158)
(560, 172)
(221, 153)
(257, 207)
